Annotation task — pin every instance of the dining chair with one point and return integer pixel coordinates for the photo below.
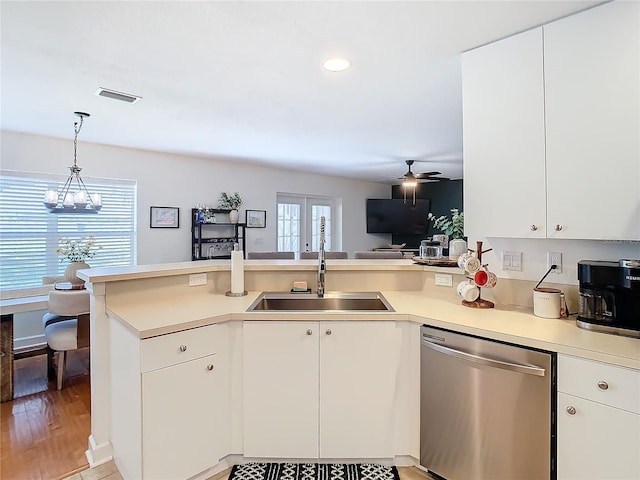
(66, 327)
(270, 255)
(379, 255)
(328, 255)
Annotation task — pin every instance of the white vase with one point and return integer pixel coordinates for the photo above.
(233, 216)
(457, 247)
(70, 272)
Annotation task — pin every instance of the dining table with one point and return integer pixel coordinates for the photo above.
(9, 307)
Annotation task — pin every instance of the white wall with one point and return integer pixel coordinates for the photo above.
(183, 181)
(534, 256)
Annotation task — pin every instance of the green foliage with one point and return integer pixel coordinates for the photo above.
(230, 202)
(454, 226)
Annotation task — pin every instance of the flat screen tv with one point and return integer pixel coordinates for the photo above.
(396, 216)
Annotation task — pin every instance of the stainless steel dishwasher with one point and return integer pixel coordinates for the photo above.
(487, 408)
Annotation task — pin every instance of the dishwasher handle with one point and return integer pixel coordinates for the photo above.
(514, 367)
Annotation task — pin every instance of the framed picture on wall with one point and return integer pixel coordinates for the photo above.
(164, 217)
(256, 218)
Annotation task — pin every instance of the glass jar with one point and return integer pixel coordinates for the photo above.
(430, 250)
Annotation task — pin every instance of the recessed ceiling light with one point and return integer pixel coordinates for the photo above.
(123, 97)
(336, 64)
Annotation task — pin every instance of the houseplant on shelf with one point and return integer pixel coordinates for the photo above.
(76, 252)
(454, 228)
(230, 202)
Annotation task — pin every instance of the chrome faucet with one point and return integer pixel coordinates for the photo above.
(322, 263)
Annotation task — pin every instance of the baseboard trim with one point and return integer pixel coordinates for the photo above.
(97, 454)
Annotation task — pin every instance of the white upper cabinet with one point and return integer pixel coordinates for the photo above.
(592, 68)
(552, 130)
(503, 124)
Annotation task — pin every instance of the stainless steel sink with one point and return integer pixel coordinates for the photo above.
(332, 301)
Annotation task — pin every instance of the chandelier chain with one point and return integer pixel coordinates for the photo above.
(76, 128)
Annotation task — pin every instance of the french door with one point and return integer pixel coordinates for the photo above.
(299, 223)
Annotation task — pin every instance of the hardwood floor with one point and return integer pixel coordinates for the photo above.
(44, 431)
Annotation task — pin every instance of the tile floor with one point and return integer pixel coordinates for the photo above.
(108, 471)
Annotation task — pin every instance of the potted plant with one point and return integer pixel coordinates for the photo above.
(230, 202)
(76, 252)
(454, 228)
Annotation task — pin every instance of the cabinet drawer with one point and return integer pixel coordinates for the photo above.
(174, 348)
(607, 384)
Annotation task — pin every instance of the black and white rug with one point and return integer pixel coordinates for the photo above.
(313, 471)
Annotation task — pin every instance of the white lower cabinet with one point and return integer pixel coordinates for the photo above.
(280, 389)
(182, 415)
(598, 421)
(319, 389)
(170, 402)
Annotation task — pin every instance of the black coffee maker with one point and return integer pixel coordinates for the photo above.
(610, 296)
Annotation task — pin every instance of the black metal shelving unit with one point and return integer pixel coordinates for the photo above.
(213, 239)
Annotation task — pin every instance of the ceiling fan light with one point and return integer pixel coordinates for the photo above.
(410, 182)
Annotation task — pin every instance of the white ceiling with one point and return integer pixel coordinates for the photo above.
(243, 80)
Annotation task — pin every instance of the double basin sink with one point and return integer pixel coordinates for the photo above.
(331, 301)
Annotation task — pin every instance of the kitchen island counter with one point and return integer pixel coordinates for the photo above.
(150, 301)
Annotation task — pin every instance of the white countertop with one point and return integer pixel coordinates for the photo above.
(505, 323)
(114, 274)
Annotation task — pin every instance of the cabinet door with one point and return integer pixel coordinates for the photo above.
(182, 417)
(281, 389)
(592, 68)
(597, 441)
(503, 119)
(357, 372)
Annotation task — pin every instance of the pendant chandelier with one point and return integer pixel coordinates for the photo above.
(67, 200)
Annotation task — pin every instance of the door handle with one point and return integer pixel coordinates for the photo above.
(514, 367)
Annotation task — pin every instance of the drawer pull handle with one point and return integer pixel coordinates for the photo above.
(571, 410)
(328, 331)
(210, 367)
(309, 332)
(183, 348)
(558, 227)
(533, 228)
(602, 385)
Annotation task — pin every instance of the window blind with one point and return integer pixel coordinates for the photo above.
(29, 233)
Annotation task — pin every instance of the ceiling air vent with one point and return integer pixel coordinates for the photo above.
(123, 97)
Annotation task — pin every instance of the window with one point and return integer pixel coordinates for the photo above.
(299, 223)
(29, 233)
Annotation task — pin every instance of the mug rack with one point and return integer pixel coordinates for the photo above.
(479, 302)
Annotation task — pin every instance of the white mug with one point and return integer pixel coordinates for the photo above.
(468, 291)
(469, 262)
(546, 302)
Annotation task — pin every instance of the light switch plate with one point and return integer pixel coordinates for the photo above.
(512, 261)
(444, 280)
(196, 279)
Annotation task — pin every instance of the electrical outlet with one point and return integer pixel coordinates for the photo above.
(444, 280)
(197, 279)
(555, 258)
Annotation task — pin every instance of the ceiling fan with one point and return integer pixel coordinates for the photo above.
(411, 179)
